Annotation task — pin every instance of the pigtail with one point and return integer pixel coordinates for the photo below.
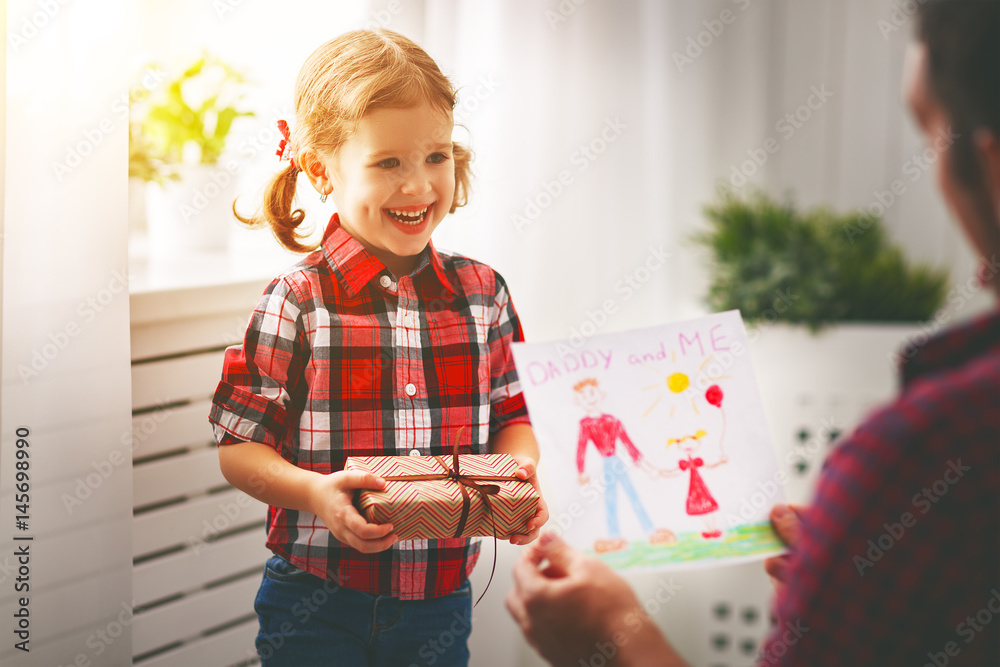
(277, 213)
(462, 158)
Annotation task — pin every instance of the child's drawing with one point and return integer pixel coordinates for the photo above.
(699, 499)
(605, 431)
(678, 402)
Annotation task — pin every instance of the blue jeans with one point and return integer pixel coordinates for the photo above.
(615, 475)
(306, 621)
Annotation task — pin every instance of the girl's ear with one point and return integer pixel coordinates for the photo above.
(315, 170)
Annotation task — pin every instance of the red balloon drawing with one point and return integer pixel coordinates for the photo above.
(714, 395)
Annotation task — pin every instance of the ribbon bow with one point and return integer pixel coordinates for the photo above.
(284, 144)
(465, 482)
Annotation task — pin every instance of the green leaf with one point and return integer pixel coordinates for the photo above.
(168, 124)
(838, 267)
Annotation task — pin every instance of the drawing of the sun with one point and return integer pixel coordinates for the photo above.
(677, 383)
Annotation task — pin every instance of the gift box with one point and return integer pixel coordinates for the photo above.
(434, 497)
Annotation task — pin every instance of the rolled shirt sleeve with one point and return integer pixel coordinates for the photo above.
(260, 378)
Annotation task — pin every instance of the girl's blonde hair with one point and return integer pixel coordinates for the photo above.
(339, 83)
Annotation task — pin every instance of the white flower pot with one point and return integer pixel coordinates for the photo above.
(192, 214)
(816, 388)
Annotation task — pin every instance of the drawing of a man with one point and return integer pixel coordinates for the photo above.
(605, 430)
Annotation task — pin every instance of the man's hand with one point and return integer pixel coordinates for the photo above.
(787, 522)
(569, 605)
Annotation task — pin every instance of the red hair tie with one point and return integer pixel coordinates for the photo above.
(285, 144)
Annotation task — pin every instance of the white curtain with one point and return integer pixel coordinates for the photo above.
(670, 97)
(594, 149)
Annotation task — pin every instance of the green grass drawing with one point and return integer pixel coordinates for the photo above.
(747, 540)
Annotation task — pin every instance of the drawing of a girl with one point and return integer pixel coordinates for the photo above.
(699, 499)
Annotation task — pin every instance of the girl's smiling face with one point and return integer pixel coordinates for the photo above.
(393, 182)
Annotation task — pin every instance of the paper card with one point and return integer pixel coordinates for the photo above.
(655, 447)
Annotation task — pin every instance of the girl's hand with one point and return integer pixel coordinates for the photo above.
(332, 500)
(722, 459)
(526, 470)
(669, 472)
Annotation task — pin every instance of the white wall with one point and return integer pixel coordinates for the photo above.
(65, 337)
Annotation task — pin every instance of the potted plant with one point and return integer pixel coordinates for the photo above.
(829, 303)
(177, 140)
(823, 266)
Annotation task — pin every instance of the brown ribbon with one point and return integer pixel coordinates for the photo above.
(465, 482)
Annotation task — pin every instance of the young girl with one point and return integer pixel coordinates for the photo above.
(374, 344)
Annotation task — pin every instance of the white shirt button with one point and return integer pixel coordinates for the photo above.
(410, 389)
(413, 452)
(385, 281)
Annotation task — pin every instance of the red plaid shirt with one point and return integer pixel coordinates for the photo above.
(899, 559)
(342, 360)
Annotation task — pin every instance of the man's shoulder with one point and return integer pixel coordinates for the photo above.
(904, 499)
(939, 405)
(939, 419)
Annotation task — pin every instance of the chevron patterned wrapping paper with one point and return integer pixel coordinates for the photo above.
(430, 509)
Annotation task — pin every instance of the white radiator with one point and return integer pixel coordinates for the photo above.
(197, 543)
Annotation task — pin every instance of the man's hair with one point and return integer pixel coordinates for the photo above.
(586, 382)
(962, 38)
